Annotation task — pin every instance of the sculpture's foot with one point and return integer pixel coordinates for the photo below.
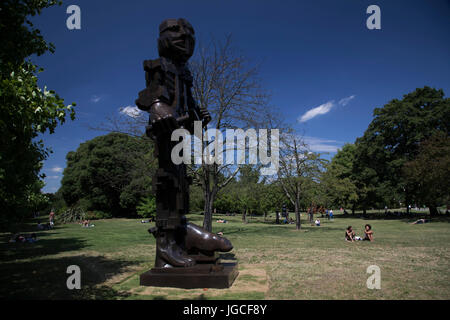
(198, 238)
(169, 253)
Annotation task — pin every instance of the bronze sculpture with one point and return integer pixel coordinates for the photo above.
(182, 248)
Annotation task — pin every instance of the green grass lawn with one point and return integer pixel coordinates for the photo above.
(275, 261)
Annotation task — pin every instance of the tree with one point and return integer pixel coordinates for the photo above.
(338, 181)
(271, 197)
(298, 166)
(430, 171)
(227, 85)
(109, 173)
(25, 109)
(147, 207)
(393, 138)
(247, 189)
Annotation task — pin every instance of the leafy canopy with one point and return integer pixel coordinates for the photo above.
(109, 173)
(26, 110)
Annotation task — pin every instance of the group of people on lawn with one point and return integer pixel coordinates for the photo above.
(319, 209)
(351, 236)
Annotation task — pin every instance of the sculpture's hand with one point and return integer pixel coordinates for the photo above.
(162, 119)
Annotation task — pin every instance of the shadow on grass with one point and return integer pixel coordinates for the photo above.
(45, 278)
(159, 298)
(39, 270)
(11, 251)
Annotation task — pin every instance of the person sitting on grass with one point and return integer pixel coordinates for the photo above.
(87, 224)
(368, 232)
(350, 234)
(317, 222)
(45, 226)
(23, 238)
(420, 221)
(32, 238)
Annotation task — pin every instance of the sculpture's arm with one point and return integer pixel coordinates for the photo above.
(156, 100)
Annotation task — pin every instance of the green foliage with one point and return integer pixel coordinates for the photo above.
(430, 171)
(392, 139)
(19, 39)
(147, 208)
(97, 214)
(196, 199)
(250, 194)
(56, 203)
(272, 197)
(338, 182)
(109, 173)
(26, 110)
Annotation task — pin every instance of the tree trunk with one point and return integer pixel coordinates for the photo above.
(298, 225)
(244, 216)
(265, 216)
(210, 195)
(433, 210)
(207, 214)
(407, 200)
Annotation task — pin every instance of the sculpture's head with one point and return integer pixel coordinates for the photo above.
(176, 39)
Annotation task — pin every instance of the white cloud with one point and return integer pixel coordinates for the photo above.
(322, 145)
(53, 177)
(322, 109)
(130, 111)
(56, 169)
(95, 98)
(345, 101)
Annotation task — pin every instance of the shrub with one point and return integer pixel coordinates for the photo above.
(147, 207)
(73, 214)
(97, 214)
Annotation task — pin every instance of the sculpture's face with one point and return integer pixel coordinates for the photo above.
(176, 39)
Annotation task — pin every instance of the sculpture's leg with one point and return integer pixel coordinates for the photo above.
(169, 208)
(202, 240)
(196, 239)
(168, 252)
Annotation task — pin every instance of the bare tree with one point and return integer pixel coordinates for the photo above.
(297, 165)
(228, 86)
(129, 120)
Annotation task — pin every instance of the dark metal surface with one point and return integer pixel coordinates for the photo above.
(191, 278)
(168, 98)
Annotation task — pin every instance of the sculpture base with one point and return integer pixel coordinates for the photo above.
(219, 276)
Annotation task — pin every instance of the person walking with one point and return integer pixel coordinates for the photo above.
(51, 218)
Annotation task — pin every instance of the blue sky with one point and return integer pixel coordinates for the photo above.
(326, 71)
